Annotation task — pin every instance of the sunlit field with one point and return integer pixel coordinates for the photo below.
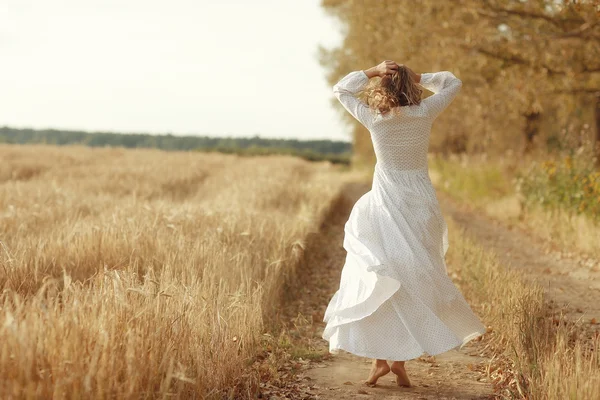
(145, 274)
(533, 352)
(556, 198)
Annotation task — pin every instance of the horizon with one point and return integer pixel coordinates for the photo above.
(187, 135)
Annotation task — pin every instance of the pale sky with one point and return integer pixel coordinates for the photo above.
(218, 68)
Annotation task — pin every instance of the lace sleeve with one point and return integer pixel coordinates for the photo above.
(445, 87)
(345, 91)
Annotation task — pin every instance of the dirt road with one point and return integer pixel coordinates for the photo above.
(566, 281)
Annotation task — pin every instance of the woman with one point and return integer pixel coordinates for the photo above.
(395, 300)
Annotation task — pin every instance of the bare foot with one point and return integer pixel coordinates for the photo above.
(379, 369)
(401, 375)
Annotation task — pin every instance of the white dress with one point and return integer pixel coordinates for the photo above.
(396, 300)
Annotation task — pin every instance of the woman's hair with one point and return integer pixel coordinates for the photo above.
(394, 90)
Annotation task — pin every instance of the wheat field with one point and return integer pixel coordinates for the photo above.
(533, 351)
(145, 274)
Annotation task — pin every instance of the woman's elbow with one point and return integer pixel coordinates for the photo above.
(336, 89)
(455, 80)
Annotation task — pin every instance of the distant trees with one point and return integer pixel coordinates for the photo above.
(530, 68)
(335, 151)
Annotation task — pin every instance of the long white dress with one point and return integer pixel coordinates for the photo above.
(396, 300)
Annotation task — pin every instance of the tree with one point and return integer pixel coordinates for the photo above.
(556, 43)
(526, 65)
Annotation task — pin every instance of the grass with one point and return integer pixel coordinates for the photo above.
(145, 274)
(538, 196)
(475, 181)
(535, 353)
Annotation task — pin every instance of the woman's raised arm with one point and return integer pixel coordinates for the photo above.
(347, 89)
(445, 87)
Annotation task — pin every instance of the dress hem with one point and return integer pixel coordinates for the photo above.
(459, 346)
(375, 301)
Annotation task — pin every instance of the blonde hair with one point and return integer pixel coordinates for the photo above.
(393, 91)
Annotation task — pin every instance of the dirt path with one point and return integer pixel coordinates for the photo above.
(567, 282)
(455, 375)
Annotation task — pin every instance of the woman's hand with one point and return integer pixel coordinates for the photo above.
(387, 67)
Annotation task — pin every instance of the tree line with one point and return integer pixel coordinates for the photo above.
(314, 150)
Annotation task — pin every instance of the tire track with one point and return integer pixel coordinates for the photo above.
(566, 282)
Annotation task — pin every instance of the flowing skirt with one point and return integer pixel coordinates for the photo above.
(396, 300)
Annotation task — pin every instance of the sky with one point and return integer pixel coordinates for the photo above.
(219, 68)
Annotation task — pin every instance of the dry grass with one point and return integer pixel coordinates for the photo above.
(491, 185)
(569, 231)
(535, 353)
(145, 274)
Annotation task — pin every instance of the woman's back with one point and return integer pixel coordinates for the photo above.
(400, 139)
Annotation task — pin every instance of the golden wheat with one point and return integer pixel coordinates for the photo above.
(534, 352)
(145, 274)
